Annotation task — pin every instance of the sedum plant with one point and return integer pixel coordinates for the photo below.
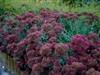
(51, 42)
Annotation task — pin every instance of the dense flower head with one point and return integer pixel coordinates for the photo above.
(92, 71)
(94, 39)
(45, 61)
(30, 53)
(34, 37)
(74, 68)
(46, 49)
(31, 61)
(84, 58)
(52, 29)
(47, 27)
(22, 43)
(68, 69)
(95, 53)
(72, 59)
(58, 28)
(36, 68)
(11, 38)
(60, 49)
(32, 29)
(78, 65)
(34, 34)
(52, 40)
(80, 43)
(93, 36)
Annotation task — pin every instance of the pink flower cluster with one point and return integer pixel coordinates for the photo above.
(52, 29)
(33, 56)
(80, 43)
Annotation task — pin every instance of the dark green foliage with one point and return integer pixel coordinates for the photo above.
(72, 27)
(75, 3)
(2, 11)
(44, 38)
(96, 27)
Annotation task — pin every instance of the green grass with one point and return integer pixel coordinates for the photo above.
(21, 6)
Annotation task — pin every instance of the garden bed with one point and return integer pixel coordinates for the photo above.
(52, 42)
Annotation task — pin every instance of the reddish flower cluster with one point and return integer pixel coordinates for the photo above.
(92, 71)
(52, 29)
(33, 56)
(79, 43)
(60, 49)
(46, 49)
(89, 55)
